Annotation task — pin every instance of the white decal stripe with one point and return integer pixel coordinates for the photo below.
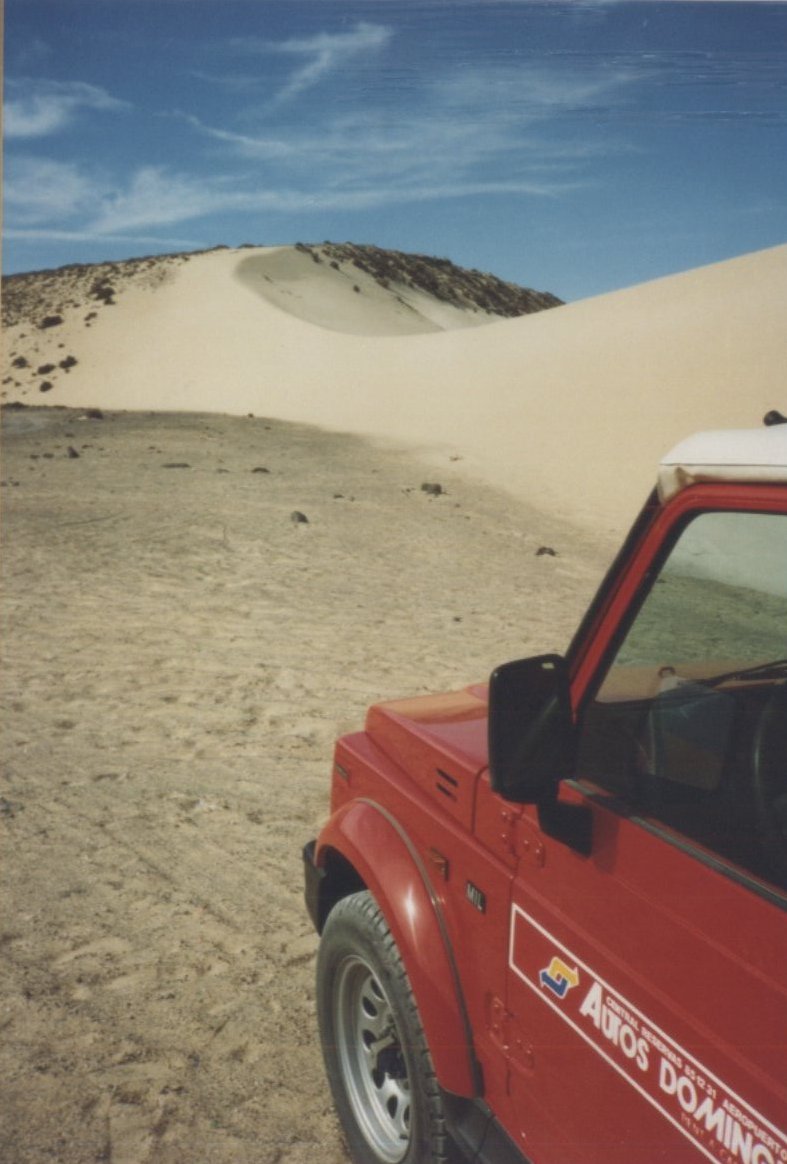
(518, 912)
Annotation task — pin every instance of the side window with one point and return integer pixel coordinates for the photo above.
(689, 726)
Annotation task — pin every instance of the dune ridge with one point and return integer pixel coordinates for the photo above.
(570, 407)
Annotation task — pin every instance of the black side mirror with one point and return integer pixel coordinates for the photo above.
(532, 737)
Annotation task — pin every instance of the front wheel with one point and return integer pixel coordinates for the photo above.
(376, 1056)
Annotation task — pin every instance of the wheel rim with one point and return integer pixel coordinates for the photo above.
(372, 1060)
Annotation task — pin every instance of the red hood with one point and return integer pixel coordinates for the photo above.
(440, 741)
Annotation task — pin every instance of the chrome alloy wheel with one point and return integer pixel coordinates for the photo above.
(372, 1060)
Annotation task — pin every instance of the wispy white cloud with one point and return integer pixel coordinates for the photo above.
(57, 201)
(475, 132)
(533, 93)
(37, 108)
(452, 130)
(156, 196)
(164, 199)
(263, 148)
(323, 54)
(47, 234)
(41, 190)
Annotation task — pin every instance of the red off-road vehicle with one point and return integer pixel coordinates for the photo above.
(552, 907)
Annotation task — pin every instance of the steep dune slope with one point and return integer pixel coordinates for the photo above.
(570, 408)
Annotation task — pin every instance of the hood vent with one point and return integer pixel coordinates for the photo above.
(446, 784)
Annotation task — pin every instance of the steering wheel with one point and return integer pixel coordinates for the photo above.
(770, 781)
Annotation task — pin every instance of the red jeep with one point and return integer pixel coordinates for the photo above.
(553, 908)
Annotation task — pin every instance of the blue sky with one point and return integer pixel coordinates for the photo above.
(576, 147)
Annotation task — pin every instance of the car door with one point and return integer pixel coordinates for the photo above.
(646, 983)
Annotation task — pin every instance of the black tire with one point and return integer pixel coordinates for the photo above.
(375, 1051)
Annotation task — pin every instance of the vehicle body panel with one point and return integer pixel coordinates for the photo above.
(627, 1005)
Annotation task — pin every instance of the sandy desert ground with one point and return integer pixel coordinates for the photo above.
(178, 657)
(179, 653)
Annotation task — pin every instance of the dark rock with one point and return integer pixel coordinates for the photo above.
(547, 551)
(73, 454)
(260, 469)
(50, 321)
(433, 488)
(176, 465)
(774, 417)
(298, 518)
(45, 386)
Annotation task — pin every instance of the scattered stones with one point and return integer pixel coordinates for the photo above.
(45, 369)
(45, 386)
(72, 453)
(433, 488)
(68, 363)
(298, 518)
(546, 551)
(20, 362)
(50, 321)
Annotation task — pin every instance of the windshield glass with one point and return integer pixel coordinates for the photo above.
(689, 725)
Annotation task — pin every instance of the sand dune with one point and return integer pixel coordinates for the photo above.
(570, 408)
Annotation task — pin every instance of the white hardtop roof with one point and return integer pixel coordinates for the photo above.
(755, 455)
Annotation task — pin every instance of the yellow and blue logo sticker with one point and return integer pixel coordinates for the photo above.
(559, 977)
